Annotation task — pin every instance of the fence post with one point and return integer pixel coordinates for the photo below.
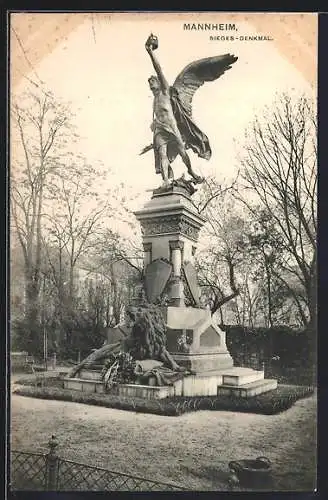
(52, 464)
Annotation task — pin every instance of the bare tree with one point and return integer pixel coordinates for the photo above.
(77, 214)
(224, 234)
(73, 225)
(235, 266)
(39, 132)
(279, 170)
(110, 289)
(119, 260)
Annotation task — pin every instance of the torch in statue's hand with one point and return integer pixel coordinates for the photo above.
(151, 43)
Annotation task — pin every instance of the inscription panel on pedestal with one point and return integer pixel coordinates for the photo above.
(169, 224)
(210, 338)
(172, 336)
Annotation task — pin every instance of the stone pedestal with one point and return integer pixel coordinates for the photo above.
(195, 341)
(170, 217)
(170, 227)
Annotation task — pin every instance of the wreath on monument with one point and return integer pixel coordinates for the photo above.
(119, 368)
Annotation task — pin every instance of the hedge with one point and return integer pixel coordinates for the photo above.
(291, 346)
(269, 403)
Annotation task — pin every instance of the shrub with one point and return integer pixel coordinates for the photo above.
(290, 345)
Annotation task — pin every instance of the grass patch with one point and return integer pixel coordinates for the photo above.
(269, 403)
(46, 379)
(106, 400)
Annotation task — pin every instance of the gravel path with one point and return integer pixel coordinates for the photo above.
(192, 450)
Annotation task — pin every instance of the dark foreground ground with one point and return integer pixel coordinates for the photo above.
(192, 450)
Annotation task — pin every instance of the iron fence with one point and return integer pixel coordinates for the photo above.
(72, 475)
(28, 470)
(47, 471)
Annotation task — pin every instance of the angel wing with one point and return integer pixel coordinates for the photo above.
(197, 73)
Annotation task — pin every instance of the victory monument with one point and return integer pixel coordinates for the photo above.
(172, 346)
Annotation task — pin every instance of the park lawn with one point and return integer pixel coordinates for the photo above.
(192, 450)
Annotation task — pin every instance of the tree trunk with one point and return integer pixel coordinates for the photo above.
(116, 297)
(313, 312)
(32, 313)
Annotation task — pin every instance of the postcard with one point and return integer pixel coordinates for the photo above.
(163, 257)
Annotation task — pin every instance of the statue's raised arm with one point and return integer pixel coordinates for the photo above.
(151, 45)
(174, 131)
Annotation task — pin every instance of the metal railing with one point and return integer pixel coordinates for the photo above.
(28, 471)
(47, 471)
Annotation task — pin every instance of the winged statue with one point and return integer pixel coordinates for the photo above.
(174, 131)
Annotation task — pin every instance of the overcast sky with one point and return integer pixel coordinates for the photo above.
(102, 67)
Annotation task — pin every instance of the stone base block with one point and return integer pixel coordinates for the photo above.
(145, 391)
(90, 374)
(193, 385)
(248, 390)
(198, 385)
(192, 328)
(79, 384)
(238, 376)
(204, 362)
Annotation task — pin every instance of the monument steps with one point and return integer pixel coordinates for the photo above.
(248, 390)
(239, 376)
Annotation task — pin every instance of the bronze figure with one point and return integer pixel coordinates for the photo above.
(174, 130)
